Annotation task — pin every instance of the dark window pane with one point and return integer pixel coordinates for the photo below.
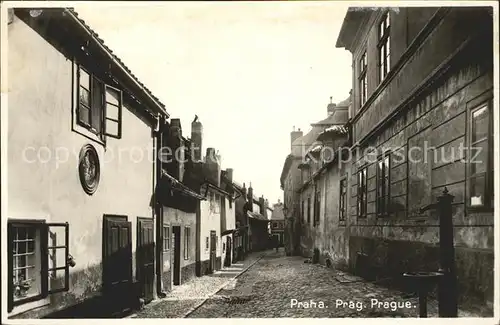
(84, 97)
(97, 104)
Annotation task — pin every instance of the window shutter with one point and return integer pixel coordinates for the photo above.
(113, 112)
(57, 249)
(10, 292)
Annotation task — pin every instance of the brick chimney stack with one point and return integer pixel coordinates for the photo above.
(331, 107)
(212, 166)
(176, 144)
(250, 197)
(244, 190)
(294, 135)
(262, 205)
(229, 174)
(196, 139)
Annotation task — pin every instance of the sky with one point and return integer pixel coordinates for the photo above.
(250, 71)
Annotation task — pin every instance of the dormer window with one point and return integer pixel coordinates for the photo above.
(384, 46)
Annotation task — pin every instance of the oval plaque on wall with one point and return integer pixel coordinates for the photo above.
(89, 169)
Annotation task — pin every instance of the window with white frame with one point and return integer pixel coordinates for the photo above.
(37, 260)
(384, 46)
(363, 79)
(166, 238)
(480, 169)
(99, 107)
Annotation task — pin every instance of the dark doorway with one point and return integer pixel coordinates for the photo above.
(145, 258)
(213, 251)
(227, 260)
(117, 261)
(176, 242)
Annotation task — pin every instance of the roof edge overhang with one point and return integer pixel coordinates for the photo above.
(216, 188)
(181, 188)
(126, 77)
(350, 26)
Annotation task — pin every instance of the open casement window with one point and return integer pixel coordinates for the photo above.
(480, 171)
(113, 112)
(362, 196)
(383, 185)
(99, 107)
(37, 260)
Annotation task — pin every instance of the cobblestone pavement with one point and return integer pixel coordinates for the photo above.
(268, 288)
(182, 299)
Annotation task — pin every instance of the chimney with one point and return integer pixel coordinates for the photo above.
(173, 141)
(250, 197)
(294, 135)
(196, 139)
(175, 127)
(262, 205)
(244, 190)
(212, 166)
(331, 107)
(229, 174)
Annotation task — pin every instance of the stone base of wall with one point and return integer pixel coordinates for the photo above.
(166, 278)
(203, 267)
(188, 272)
(377, 258)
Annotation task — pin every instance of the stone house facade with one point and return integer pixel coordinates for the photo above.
(421, 89)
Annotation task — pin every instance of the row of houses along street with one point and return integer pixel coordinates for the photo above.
(92, 228)
(114, 207)
(358, 197)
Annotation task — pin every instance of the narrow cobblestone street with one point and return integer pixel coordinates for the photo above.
(186, 297)
(269, 287)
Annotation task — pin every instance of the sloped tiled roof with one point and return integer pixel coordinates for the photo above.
(333, 131)
(121, 63)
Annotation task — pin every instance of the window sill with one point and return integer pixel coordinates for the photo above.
(87, 133)
(479, 209)
(25, 307)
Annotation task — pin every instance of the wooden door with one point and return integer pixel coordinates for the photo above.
(145, 258)
(213, 250)
(227, 261)
(176, 243)
(117, 259)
